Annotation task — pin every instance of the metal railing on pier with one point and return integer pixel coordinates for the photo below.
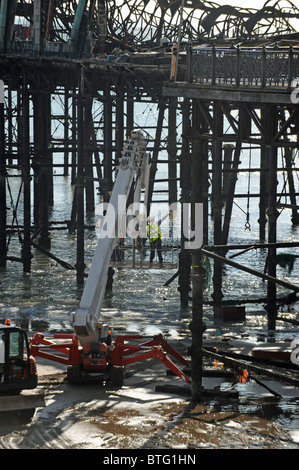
(236, 66)
(63, 50)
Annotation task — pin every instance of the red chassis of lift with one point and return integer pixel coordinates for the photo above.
(99, 357)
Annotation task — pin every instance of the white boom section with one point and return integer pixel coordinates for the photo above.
(134, 165)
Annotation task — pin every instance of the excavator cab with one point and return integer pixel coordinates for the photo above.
(17, 367)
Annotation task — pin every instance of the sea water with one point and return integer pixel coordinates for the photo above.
(139, 302)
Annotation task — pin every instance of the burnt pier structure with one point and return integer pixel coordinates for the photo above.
(221, 79)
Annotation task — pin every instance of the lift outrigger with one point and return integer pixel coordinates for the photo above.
(91, 351)
(104, 359)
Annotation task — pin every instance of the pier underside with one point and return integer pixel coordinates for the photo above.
(209, 85)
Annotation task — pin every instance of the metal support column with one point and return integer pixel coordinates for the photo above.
(270, 123)
(130, 112)
(272, 214)
(217, 205)
(162, 107)
(230, 191)
(2, 180)
(88, 166)
(3, 19)
(107, 141)
(36, 27)
(172, 149)
(80, 265)
(197, 325)
(26, 248)
(66, 131)
(263, 194)
(288, 160)
(74, 135)
(185, 184)
(119, 131)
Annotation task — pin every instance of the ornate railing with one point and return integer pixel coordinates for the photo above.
(259, 67)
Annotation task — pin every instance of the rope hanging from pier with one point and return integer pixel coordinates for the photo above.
(247, 224)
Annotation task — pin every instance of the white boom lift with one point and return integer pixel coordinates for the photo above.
(133, 169)
(91, 350)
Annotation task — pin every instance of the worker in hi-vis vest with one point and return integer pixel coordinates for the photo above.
(154, 234)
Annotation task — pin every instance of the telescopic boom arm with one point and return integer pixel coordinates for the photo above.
(133, 170)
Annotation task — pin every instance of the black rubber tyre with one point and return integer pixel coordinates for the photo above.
(117, 376)
(74, 374)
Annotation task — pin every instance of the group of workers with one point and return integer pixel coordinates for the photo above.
(153, 230)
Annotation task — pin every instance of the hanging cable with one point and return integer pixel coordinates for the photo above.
(247, 224)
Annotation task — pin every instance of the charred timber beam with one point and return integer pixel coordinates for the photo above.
(239, 364)
(258, 360)
(50, 255)
(252, 246)
(230, 193)
(246, 269)
(251, 140)
(257, 97)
